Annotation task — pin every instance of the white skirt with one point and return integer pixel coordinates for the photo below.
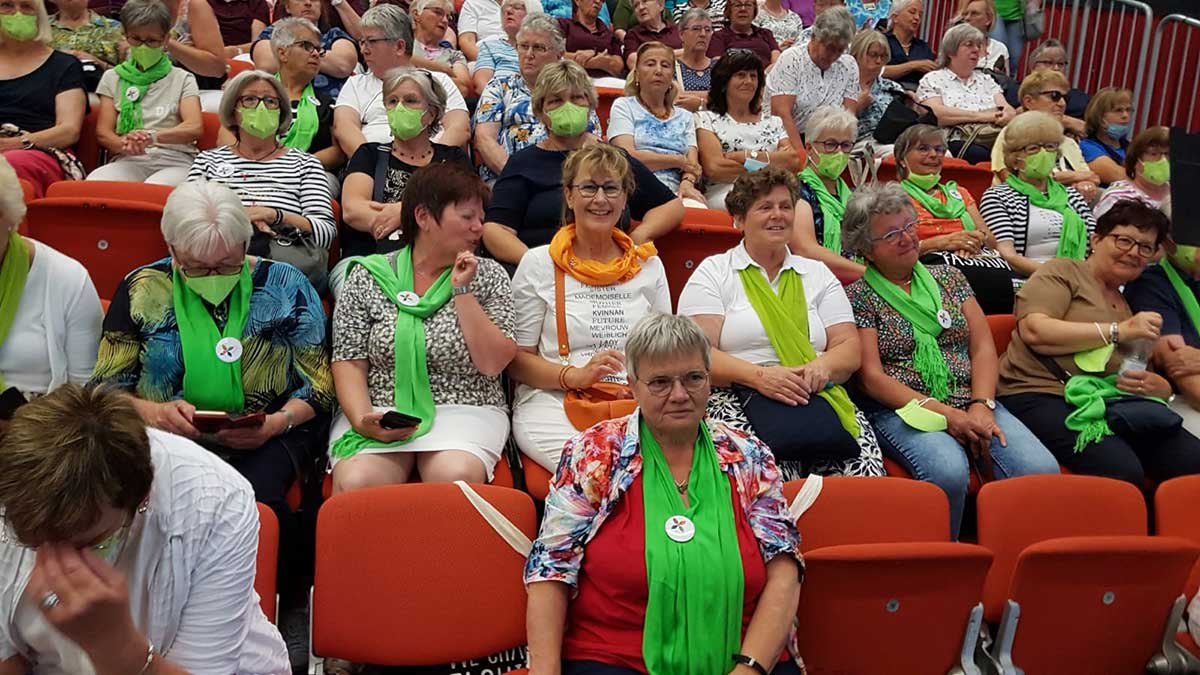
(540, 425)
(479, 430)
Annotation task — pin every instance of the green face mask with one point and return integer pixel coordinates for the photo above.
(260, 122)
(1040, 164)
(213, 288)
(925, 182)
(1157, 171)
(1094, 360)
(145, 56)
(920, 418)
(18, 26)
(1184, 257)
(405, 122)
(832, 165)
(568, 119)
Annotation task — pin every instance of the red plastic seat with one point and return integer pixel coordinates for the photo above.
(855, 510)
(111, 189)
(212, 127)
(1002, 326)
(87, 149)
(1176, 506)
(704, 232)
(537, 479)
(604, 100)
(27, 190)
(235, 67)
(266, 564)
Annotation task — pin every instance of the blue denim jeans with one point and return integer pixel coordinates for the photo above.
(1012, 34)
(936, 457)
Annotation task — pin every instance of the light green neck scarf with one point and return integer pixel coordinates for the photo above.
(1186, 296)
(304, 127)
(954, 206)
(785, 318)
(129, 113)
(208, 382)
(13, 272)
(1073, 241)
(832, 208)
(693, 619)
(920, 308)
(412, 373)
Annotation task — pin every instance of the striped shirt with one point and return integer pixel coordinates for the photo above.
(1007, 213)
(293, 182)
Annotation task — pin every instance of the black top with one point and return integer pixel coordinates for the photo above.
(917, 51)
(28, 101)
(324, 137)
(528, 196)
(365, 159)
(1153, 292)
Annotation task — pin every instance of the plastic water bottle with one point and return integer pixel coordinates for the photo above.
(1137, 354)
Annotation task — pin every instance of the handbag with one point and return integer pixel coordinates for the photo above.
(603, 400)
(296, 248)
(1034, 22)
(900, 115)
(779, 425)
(72, 168)
(976, 133)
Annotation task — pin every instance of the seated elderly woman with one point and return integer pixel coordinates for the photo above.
(1075, 372)
(652, 27)
(1051, 54)
(876, 92)
(149, 117)
(1034, 217)
(424, 332)
(41, 98)
(781, 20)
(734, 134)
(949, 226)
(334, 48)
(966, 100)
(127, 549)
(49, 311)
(590, 42)
(695, 66)
(498, 56)
(527, 207)
(982, 15)
(741, 33)
(575, 300)
(486, 21)
(504, 121)
(90, 37)
(1046, 91)
(618, 484)
(430, 21)
(928, 361)
(213, 332)
(909, 56)
(647, 123)
(1107, 122)
(783, 338)
(283, 190)
(1147, 171)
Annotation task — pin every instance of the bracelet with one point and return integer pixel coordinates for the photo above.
(768, 154)
(1114, 333)
(278, 218)
(1101, 332)
(562, 378)
(149, 658)
(290, 419)
(750, 661)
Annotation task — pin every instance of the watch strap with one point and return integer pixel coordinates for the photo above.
(752, 662)
(988, 403)
(460, 290)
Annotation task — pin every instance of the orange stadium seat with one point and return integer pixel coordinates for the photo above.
(853, 510)
(268, 559)
(111, 189)
(87, 150)
(537, 479)
(605, 98)
(235, 67)
(212, 127)
(704, 232)
(1176, 505)
(1002, 326)
(27, 190)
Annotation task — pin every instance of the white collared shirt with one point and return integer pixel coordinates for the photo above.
(715, 288)
(363, 94)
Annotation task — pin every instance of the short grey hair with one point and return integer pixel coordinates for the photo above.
(544, 24)
(955, 37)
(227, 111)
(658, 336)
(910, 138)
(691, 15)
(146, 13)
(283, 31)
(419, 6)
(12, 197)
(901, 5)
(1043, 47)
(392, 21)
(830, 118)
(200, 215)
(44, 34)
(866, 203)
(431, 89)
(834, 26)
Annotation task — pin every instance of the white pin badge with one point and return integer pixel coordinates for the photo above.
(229, 349)
(223, 170)
(313, 100)
(957, 194)
(680, 529)
(943, 318)
(408, 298)
(132, 94)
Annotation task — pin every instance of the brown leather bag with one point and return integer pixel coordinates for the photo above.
(601, 401)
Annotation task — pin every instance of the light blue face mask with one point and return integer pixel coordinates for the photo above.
(1118, 130)
(753, 165)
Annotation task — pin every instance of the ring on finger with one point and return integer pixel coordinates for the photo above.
(50, 600)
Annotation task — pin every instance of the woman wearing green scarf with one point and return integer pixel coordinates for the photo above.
(149, 114)
(829, 137)
(424, 331)
(1073, 325)
(667, 546)
(928, 360)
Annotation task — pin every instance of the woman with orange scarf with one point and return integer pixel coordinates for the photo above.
(575, 300)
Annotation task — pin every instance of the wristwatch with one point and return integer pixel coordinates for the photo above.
(463, 290)
(26, 142)
(990, 403)
(750, 661)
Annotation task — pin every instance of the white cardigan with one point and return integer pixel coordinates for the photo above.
(189, 563)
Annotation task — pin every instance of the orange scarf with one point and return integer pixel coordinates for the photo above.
(591, 272)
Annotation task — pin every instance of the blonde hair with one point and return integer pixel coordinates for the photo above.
(12, 197)
(1027, 128)
(867, 38)
(597, 158)
(1102, 102)
(564, 78)
(44, 34)
(634, 88)
(1040, 80)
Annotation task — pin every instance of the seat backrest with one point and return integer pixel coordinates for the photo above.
(1017, 512)
(1002, 326)
(704, 232)
(856, 510)
(887, 170)
(87, 149)
(974, 179)
(111, 189)
(413, 575)
(1177, 514)
(1096, 604)
(235, 67)
(265, 567)
(27, 190)
(212, 127)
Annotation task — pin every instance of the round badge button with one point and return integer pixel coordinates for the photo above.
(943, 318)
(132, 94)
(408, 298)
(680, 529)
(313, 100)
(229, 349)
(223, 170)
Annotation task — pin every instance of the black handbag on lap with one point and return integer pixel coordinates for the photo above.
(802, 433)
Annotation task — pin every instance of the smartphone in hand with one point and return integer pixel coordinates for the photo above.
(394, 419)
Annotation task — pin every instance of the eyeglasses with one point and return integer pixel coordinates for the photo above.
(834, 146)
(936, 150)
(250, 101)
(309, 47)
(535, 47)
(1033, 148)
(134, 41)
(1057, 65)
(1054, 95)
(1125, 245)
(371, 42)
(589, 190)
(1155, 152)
(893, 236)
(692, 381)
(878, 56)
(223, 270)
(704, 30)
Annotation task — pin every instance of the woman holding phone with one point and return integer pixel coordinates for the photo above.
(420, 337)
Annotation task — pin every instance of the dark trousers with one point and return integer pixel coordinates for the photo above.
(1128, 459)
(974, 154)
(593, 668)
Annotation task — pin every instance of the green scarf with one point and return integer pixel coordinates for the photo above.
(304, 126)
(832, 208)
(693, 619)
(13, 272)
(920, 309)
(1087, 394)
(129, 113)
(785, 318)
(1073, 241)
(412, 374)
(208, 382)
(1186, 296)
(954, 207)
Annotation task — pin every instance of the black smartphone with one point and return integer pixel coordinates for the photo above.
(10, 400)
(394, 419)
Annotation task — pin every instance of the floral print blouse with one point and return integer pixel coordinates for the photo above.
(98, 37)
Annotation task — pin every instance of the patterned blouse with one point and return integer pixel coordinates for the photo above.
(284, 353)
(784, 28)
(895, 333)
(364, 327)
(98, 37)
(696, 80)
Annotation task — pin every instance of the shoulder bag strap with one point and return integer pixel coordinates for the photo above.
(381, 167)
(560, 316)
